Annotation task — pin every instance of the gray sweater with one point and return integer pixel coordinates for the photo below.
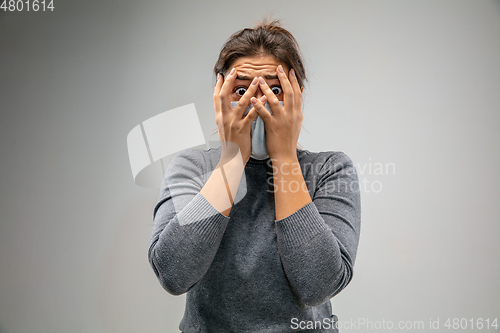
(248, 272)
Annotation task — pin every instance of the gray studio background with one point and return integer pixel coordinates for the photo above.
(408, 89)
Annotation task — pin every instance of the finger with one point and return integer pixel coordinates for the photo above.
(271, 98)
(226, 89)
(250, 117)
(296, 88)
(288, 93)
(258, 105)
(218, 85)
(245, 99)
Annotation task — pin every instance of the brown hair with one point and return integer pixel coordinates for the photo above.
(267, 38)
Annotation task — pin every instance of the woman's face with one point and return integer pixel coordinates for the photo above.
(249, 67)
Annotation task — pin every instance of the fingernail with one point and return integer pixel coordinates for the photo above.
(254, 82)
(232, 71)
(253, 100)
(280, 69)
(293, 72)
(263, 98)
(262, 80)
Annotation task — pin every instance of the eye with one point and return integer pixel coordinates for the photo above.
(276, 90)
(240, 91)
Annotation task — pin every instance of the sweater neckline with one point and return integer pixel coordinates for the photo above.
(252, 160)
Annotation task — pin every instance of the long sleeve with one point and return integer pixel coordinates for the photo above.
(187, 229)
(318, 243)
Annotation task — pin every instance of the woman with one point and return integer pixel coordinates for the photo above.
(259, 245)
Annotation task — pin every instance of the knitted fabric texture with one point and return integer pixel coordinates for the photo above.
(248, 272)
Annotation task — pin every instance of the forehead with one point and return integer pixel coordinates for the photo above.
(257, 66)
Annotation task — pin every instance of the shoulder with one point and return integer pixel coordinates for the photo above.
(195, 159)
(333, 175)
(324, 161)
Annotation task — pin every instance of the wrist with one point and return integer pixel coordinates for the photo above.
(232, 160)
(284, 154)
(284, 158)
(285, 165)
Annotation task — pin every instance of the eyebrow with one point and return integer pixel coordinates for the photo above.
(267, 77)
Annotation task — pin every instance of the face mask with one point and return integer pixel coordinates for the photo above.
(258, 134)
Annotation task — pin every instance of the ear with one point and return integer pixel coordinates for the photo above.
(301, 89)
